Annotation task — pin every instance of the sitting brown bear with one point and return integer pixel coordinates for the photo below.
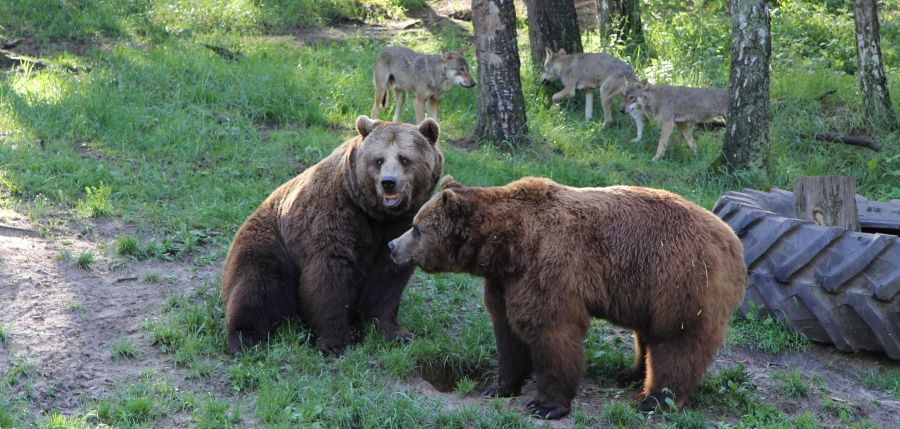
(317, 246)
(553, 256)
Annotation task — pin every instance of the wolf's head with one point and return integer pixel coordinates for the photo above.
(456, 69)
(635, 96)
(552, 65)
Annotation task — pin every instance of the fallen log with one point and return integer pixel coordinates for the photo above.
(864, 141)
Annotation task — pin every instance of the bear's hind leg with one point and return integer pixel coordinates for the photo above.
(327, 291)
(678, 365)
(637, 371)
(259, 294)
(513, 354)
(558, 356)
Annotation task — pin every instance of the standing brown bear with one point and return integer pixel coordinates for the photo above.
(317, 246)
(553, 256)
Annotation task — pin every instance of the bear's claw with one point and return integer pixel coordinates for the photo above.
(547, 411)
(499, 392)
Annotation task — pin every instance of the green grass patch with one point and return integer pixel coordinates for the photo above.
(619, 414)
(793, 383)
(122, 348)
(85, 261)
(4, 333)
(887, 379)
(764, 333)
(729, 389)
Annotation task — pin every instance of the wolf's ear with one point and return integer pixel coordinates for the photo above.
(645, 84)
(445, 54)
(448, 182)
(561, 51)
(364, 125)
(430, 130)
(548, 52)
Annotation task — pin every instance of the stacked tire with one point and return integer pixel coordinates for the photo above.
(833, 285)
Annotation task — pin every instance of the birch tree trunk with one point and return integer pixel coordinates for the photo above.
(501, 106)
(872, 79)
(552, 24)
(747, 134)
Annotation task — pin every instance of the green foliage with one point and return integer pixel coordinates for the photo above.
(621, 415)
(4, 333)
(606, 355)
(887, 379)
(96, 202)
(793, 383)
(730, 388)
(85, 261)
(122, 348)
(766, 334)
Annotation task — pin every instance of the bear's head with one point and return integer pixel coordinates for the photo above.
(392, 168)
(444, 236)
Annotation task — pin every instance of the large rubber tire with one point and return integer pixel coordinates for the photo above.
(833, 285)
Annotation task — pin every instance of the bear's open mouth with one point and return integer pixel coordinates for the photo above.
(392, 200)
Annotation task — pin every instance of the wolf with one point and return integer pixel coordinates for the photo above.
(673, 106)
(588, 72)
(427, 76)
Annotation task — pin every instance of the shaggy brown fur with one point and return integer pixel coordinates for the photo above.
(554, 256)
(316, 247)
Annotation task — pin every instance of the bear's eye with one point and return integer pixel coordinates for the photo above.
(416, 232)
(379, 161)
(404, 161)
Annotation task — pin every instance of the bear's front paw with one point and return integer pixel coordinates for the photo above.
(629, 375)
(334, 346)
(548, 410)
(500, 392)
(656, 400)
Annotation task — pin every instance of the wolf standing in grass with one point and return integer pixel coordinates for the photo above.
(673, 106)
(317, 246)
(588, 72)
(427, 76)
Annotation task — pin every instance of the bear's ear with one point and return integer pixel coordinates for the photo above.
(364, 125)
(430, 130)
(449, 182)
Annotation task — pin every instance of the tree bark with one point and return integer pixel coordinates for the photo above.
(872, 79)
(552, 24)
(747, 134)
(827, 200)
(501, 106)
(622, 18)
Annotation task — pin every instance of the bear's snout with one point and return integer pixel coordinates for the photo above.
(392, 245)
(388, 183)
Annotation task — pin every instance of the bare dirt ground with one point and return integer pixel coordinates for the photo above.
(62, 320)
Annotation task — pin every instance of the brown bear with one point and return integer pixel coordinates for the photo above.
(317, 246)
(553, 256)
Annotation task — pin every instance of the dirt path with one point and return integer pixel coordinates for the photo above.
(62, 320)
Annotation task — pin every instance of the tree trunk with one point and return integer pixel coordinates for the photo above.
(872, 80)
(552, 24)
(827, 200)
(501, 106)
(747, 134)
(622, 18)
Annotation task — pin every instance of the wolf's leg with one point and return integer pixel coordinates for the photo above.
(432, 104)
(380, 94)
(588, 104)
(401, 97)
(686, 132)
(419, 104)
(668, 126)
(638, 117)
(566, 92)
